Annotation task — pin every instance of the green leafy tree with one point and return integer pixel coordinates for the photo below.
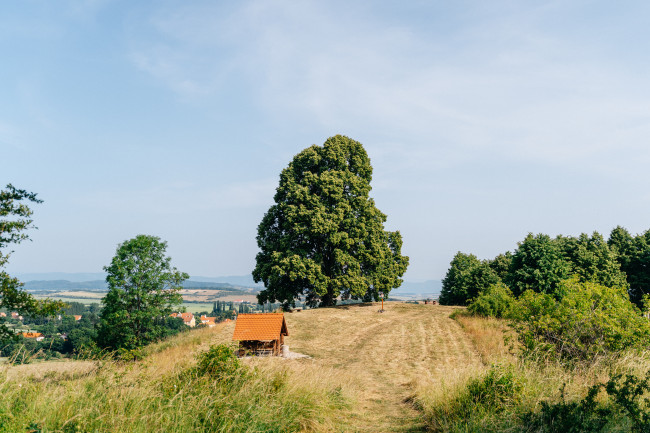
(143, 289)
(593, 260)
(638, 270)
(466, 277)
(622, 242)
(324, 237)
(634, 258)
(15, 219)
(538, 264)
(501, 265)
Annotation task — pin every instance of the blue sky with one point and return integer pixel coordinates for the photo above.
(483, 120)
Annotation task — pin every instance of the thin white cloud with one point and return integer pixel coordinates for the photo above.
(513, 88)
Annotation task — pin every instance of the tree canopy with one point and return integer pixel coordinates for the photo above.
(15, 219)
(467, 276)
(633, 254)
(324, 237)
(541, 264)
(143, 289)
(537, 264)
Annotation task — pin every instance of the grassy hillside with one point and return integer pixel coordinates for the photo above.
(364, 368)
(404, 370)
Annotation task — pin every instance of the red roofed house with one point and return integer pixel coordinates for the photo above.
(261, 334)
(188, 318)
(77, 318)
(210, 321)
(37, 335)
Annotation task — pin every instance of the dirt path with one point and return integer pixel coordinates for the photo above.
(387, 354)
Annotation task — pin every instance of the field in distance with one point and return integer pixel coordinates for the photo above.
(194, 292)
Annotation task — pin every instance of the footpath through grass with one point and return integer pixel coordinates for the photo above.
(384, 358)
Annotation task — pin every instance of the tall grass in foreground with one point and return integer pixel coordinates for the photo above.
(164, 392)
(508, 394)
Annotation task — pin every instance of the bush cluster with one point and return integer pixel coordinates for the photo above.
(219, 362)
(623, 408)
(504, 399)
(494, 301)
(590, 320)
(587, 321)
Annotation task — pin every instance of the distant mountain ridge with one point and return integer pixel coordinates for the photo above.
(235, 280)
(96, 282)
(101, 286)
(78, 277)
(43, 285)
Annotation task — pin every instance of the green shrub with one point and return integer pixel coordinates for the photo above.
(129, 355)
(498, 389)
(624, 409)
(590, 320)
(494, 301)
(570, 417)
(219, 362)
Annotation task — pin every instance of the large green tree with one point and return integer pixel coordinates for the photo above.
(324, 237)
(538, 264)
(15, 219)
(466, 278)
(593, 260)
(143, 289)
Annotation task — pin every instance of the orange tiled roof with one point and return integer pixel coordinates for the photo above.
(187, 317)
(32, 334)
(260, 327)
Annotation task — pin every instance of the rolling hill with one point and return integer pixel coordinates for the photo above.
(371, 363)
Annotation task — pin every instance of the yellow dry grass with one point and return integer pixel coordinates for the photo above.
(491, 337)
(383, 357)
(377, 361)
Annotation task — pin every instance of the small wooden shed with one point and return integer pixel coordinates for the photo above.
(260, 334)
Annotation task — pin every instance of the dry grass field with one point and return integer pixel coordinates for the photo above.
(402, 370)
(384, 357)
(375, 363)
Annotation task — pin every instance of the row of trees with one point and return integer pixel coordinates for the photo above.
(567, 297)
(541, 263)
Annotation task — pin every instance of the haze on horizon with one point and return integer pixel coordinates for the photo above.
(483, 121)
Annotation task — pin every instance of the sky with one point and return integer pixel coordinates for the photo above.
(484, 121)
